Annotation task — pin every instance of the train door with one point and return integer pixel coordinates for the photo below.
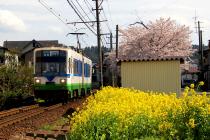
(83, 72)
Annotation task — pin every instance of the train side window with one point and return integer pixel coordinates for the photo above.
(85, 69)
(88, 70)
(77, 66)
(80, 68)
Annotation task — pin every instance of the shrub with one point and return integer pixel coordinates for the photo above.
(16, 83)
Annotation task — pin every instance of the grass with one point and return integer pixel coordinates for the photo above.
(60, 122)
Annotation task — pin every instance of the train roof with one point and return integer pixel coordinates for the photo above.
(52, 48)
(64, 48)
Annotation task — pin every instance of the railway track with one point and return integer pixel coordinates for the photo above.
(14, 111)
(20, 122)
(14, 116)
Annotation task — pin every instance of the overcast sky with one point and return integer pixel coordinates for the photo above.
(29, 19)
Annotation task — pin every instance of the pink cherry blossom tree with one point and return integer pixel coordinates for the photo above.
(163, 38)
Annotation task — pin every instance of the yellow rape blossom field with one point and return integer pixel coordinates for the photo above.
(123, 113)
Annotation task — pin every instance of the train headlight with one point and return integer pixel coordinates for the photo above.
(62, 81)
(37, 81)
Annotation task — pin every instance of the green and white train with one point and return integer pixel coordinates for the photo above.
(60, 74)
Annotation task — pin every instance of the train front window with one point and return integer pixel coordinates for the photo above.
(50, 62)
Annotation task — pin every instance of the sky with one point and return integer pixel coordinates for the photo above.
(30, 19)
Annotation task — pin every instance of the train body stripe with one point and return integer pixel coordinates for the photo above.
(69, 87)
(63, 75)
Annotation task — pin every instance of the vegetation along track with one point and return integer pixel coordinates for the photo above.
(31, 120)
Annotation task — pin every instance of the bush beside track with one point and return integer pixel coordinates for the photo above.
(16, 83)
(121, 113)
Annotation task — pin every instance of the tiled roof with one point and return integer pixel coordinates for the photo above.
(18, 46)
(181, 59)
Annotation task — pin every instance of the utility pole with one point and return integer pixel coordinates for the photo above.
(199, 36)
(117, 30)
(200, 44)
(111, 41)
(113, 75)
(201, 77)
(99, 44)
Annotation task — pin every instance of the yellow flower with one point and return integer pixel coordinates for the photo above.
(185, 94)
(192, 123)
(129, 104)
(201, 83)
(187, 88)
(192, 85)
(204, 94)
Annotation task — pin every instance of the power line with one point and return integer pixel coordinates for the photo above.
(78, 14)
(106, 19)
(78, 11)
(85, 22)
(89, 7)
(91, 26)
(109, 10)
(59, 17)
(107, 24)
(99, 5)
(83, 10)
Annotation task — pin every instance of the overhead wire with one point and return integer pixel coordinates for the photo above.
(80, 16)
(58, 16)
(89, 7)
(52, 11)
(103, 39)
(83, 10)
(107, 23)
(75, 8)
(109, 11)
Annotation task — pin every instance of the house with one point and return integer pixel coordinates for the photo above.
(24, 49)
(159, 75)
(2, 55)
(6, 56)
(190, 71)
